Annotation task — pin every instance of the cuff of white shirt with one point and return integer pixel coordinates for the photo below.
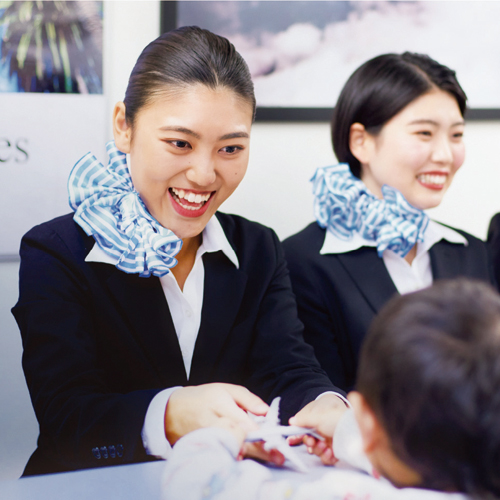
(153, 431)
(336, 394)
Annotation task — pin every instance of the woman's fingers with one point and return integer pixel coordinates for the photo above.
(321, 415)
(191, 408)
(246, 399)
(227, 404)
(218, 405)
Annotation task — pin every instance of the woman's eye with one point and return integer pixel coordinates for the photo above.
(458, 135)
(231, 150)
(180, 144)
(424, 133)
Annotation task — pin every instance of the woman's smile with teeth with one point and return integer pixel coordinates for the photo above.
(195, 200)
(437, 180)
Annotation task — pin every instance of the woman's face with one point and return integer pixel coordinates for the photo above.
(188, 152)
(418, 151)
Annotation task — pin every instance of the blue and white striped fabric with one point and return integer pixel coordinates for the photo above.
(343, 204)
(107, 207)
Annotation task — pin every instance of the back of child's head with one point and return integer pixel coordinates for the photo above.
(430, 371)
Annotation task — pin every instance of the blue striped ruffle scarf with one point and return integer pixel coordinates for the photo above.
(343, 204)
(107, 207)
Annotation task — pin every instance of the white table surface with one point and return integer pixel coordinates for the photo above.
(124, 482)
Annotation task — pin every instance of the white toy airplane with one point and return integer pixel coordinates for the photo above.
(274, 435)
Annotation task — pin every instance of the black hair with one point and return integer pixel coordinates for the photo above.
(186, 56)
(430, 371)
(379, 89)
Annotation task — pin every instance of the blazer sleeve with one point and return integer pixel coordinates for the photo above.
(319, 310)
(83, 422)
(283, 363)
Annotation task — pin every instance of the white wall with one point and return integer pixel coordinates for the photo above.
(128, 27)
(275, 192)
(18, 425)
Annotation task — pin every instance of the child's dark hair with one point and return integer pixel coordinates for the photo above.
(379, 89)
(430, 371)
(183, 57)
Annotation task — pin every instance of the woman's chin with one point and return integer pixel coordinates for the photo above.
(187, 228)
(427, 200)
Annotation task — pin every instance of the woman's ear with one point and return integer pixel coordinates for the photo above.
(360, 143)
(122, 131)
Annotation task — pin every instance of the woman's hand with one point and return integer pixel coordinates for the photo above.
(218, 405)
(321, 415)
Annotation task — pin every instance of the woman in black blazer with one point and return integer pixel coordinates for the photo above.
(397, 131)
(146, 314)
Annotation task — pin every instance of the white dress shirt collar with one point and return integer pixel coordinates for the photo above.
(406, 277)
(214, 240)
(435, 232)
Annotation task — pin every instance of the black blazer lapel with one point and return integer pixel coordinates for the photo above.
(143, 303)
(369, 273)
(446, 262)
(223, 292)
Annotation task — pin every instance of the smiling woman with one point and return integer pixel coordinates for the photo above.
(203, 135)
(417, 152)
(397, 129)
(147, 313)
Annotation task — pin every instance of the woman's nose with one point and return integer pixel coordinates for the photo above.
(201, 172)
(442, 152)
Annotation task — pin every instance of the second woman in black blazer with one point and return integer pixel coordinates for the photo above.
(397, 128)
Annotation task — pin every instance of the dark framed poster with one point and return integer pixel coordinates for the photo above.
(51, 47)
(300, 53)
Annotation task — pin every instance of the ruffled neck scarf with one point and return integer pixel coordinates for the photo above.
(344, 206)
(108, 207)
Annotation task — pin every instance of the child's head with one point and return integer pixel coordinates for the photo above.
(428, 400)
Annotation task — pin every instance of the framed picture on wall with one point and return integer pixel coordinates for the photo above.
(300, 53)
(51, 47)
